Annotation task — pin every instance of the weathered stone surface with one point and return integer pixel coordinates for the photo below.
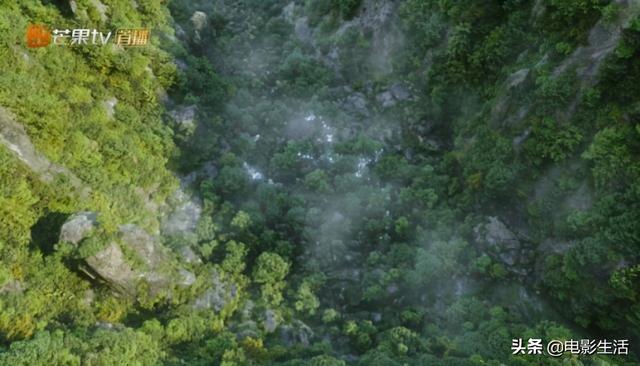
(296, 333)
(218, 295)
(581, 199)
(386, 99)
(603, 39)
(518, 140)
(89, 297)
(288, 12)
(110, 105)
(198, 20)
(181, 33)
(501, 243)
(303, 31)
(357, 102)
(181, 64)
(187, 278)
(399, 92)
(184, 214)
(101, 8)
(145, 259)
(12, 286)
(110, 264)
(188, 255)
(376, 317)
(499, 236)
(15, 138)
(517, 78)
(270, 321)
(396, 93)
(146, 246)
(185, 115)
(78, 227)
(247, 328)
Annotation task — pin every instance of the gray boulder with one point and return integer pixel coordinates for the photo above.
(110, 106)
(185, 116)
(499, 236)
(146, 260)
(288, 12)
(110, 265)
(187, 278)
(146, 246)
(296, 333)
(220, 293)
(188, 255)
(399, 92)
(130, 256)
(357, 102)
(270, 321)
(198, 20)
(501, 244)
(78, 227)
(386, 99)
(303, 31)
(517, 78)
(183, 215)
(396, 93)
(12, 287)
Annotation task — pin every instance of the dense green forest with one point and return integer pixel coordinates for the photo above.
(320, 182)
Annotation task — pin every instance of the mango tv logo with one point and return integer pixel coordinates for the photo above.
(38, 35)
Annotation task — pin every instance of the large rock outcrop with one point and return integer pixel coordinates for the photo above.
(128, 259)
(14, 137)
(502, 244)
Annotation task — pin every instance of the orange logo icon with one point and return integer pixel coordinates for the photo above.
(38, 36)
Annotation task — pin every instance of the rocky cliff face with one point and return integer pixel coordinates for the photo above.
(15, 139)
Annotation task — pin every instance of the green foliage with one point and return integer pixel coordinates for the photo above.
(234, 261)
(269, 271)
(330, 315)
(582, 14)
(317, 181)
(302, 74)
(269, 268)
(307, 302)
(612, 155)
(554, 92)
(241, 220)
(92, 245)
(325, 360)
(44, 349)
(551, 141)
(186, 329)
(345, 9)
(437, 262)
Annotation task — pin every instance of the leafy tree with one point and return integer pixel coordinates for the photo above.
(269, 271)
